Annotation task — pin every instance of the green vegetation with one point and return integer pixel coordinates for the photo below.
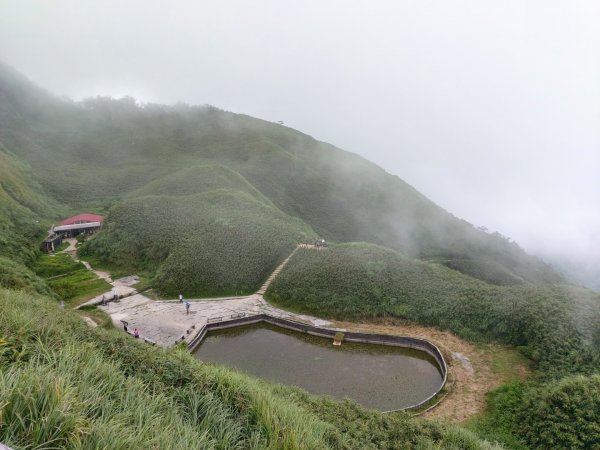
(563, 414)
(101, 318)
(488, 271)
(69, 279)
(198, 179)
(216, 243)
(64, 385)
(560, 414)
(505, 361)
(49, 266)
(78, 287)
(109, 149)
(355, 281)
(208, 202)
(15, 275)
(557, 326)
(21, 228)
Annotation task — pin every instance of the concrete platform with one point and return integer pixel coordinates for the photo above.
(166, 322)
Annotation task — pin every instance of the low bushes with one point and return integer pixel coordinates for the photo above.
(358, 281)
(220, 242)
(562, 414)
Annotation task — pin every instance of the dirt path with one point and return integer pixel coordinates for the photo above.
(470, 368)
(121, 287)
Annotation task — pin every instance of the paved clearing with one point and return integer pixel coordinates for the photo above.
(166, 322)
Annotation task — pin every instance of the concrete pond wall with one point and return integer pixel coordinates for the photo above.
(350, 336)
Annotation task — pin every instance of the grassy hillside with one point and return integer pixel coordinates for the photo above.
(207, 203)
(219, 242)
(24, 219)
(108, 148)
(558, 327)
(64, 385)
(21, 206)
(356, 281)
(69, 279)
(198, 179)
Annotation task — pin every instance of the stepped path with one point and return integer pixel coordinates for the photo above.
(276, 272)
(165, 323)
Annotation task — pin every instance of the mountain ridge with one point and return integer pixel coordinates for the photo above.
(107, 148)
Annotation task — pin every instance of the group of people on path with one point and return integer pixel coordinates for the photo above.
(136, 332)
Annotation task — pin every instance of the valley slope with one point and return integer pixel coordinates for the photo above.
(96, 152)
(207, 202)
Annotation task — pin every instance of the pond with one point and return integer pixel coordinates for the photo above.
(377, 376)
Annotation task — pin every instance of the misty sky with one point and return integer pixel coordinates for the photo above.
(490, 108)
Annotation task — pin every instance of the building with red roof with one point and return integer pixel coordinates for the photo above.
(81, 223)
(82, 218)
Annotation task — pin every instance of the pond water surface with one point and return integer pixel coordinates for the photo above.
(376, 376)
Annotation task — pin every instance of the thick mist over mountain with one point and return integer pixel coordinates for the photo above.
(489, 110)
(377, 172)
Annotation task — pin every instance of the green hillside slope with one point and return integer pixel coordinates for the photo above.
(64, 385)
(557, 326)
(219, 242)
(356, 281)
(198, 179)
(24, 213)
(107, 148)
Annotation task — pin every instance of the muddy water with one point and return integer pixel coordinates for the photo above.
(376, 376)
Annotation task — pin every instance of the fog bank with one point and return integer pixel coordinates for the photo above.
(491, 109)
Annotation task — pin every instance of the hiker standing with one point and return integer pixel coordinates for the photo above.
(187, 307)
(180, 298)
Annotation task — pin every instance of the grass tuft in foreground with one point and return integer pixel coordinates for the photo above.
(64, 385)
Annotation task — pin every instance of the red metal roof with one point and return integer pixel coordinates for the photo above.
(82, 218)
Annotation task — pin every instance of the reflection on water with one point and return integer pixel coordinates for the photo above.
(377, 376)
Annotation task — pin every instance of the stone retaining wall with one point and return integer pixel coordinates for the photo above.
(350, 336)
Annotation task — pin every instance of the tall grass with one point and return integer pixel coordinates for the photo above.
(64, 385)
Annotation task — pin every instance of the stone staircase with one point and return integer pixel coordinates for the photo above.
(276, 272)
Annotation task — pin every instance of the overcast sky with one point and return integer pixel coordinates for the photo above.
(490, 108)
